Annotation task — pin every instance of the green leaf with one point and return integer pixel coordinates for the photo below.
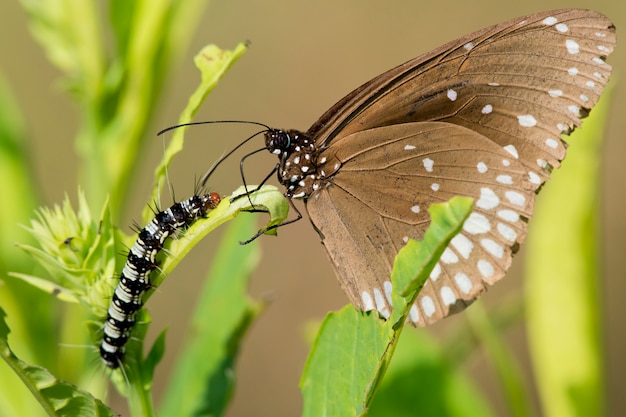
(47, 286)
(268, 199)
(56, 397)
(213, 63)
(563, 280)
(70, 34)
(422, 381)
(78, 252)
(353, 349)
(507, 369)
(417, 258)
(203, 379)
(136, 380)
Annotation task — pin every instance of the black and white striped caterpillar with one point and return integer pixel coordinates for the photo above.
(141, 261)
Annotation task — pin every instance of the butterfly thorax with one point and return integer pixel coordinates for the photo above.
(298, 167)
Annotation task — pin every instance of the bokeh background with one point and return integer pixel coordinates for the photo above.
(304, 56)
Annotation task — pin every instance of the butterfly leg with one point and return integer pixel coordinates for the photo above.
(258, 187)
(275, 226)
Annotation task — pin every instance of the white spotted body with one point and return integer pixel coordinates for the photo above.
(135, 276)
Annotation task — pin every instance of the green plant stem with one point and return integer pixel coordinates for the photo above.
(140, 401)
(507, 369)
(563, 280)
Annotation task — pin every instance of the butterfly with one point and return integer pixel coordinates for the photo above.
(481, 116)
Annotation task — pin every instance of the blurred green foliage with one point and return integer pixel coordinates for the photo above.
(117, 89)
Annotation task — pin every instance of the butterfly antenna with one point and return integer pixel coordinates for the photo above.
(167, 179)
(209, 122)
(206, 176)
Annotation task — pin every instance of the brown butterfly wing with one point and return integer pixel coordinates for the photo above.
(503, 96)
(380, 197)
(521, 83)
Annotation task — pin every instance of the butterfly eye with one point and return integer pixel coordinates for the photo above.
(277, 141)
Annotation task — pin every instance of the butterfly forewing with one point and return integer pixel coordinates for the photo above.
(482, 117)
(536, 75)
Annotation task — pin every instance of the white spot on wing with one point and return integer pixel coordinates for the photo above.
(414, 314)
(463, 282)
(507, 232)
(598, 61)
(468, 46)
(534, 178)
(512, 150)
(434, 274)
(527, 120)
(590, 84)
(572, 71)
(549, 20)
(485, 268)
(381, 306)
(487, 109)
(574, 109)
(434, 186)
(504, 179)
(428, 306)
(552, 143)
(409, 147)
(508, 215)
(515, 198)
(428, 164)
(447, 295)
(415, 209)
(488, 199)
(482, 167)
(476, 223)
(555, 93)
(493, 247)
(451, 94)
(449, 257)
(387, 287)
(572, 46)
(562, 27)
(368, 303)
(463, 245)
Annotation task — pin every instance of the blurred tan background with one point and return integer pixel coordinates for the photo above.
(304, 56)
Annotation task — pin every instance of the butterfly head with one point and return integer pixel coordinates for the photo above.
(297, 169)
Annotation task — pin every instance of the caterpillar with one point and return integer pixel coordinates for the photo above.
(141, 261)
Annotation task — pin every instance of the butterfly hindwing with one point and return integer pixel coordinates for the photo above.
(379, 196)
